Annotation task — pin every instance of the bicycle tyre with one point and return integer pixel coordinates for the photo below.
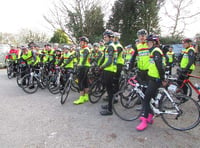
(128, 108)
(189, 116)
(52, 87)
(30, 89)
(96, 91)
(65, 92)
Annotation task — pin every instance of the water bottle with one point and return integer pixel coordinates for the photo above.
(197, 86)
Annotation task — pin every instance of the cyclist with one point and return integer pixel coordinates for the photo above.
(101, 45)
(129, 51)
(142, 55)
(187, 61)
(83, 67)
(119, 60)
(96, 54)
(156, 78)
(170, 59)
(109, 69)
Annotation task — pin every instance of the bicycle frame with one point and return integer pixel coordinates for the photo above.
(187, 81)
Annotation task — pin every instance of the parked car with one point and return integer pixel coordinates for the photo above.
(4, 49)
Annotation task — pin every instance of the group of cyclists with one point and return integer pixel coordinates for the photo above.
(110, 56)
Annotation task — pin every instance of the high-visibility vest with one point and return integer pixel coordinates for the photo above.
(153, 71)
(112, 67)
(170, 56)
(87, 63)
(120, 59)
(143, 56)
(128, 54)
(66, 57)
(28, 57)
(184, 60)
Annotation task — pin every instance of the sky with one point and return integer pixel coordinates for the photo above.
(28, 14)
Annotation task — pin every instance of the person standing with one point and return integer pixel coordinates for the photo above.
(109, 69)
(170, 59)
(187, 62)
(83, 67)
(156, 74)
(141, 55)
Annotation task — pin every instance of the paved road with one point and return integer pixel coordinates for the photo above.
(40, 121)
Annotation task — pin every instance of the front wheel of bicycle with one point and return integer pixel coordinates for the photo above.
(29, 85)
(129, 107)
(96, 91)
(65, 92)
(186, 118)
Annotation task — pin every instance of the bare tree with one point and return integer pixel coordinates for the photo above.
(180, 14)
(65, 12)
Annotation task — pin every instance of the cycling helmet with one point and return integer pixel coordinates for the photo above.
(187, 40)
(24, 48)
(117, 35)
(96, 44)
(129, 46)
(59, 49)
(66, 47)
(83, 38)
(142, 32)
(109, 33)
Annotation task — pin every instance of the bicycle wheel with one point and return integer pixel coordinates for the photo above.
(65, 92)
(10, 71)
(96, 91)
(29, 85)
(53, 87)
(129, 106)
(187, 118)
(74, 86)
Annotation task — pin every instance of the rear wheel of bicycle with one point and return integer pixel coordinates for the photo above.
(96, 91)
(10, 72)
(29, 86)
(187, 118)
(129, 106)
(65, 92)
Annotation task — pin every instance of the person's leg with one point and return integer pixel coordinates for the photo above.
(81, 86)
(150, 93)
(108, 80)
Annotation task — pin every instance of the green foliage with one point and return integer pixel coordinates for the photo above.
(90, 24)
(60, 37)
(129, 16)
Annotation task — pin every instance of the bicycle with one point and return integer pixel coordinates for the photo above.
(69, 85)
(178, 111)
(31, 81)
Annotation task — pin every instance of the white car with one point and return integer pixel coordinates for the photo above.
(4, 49)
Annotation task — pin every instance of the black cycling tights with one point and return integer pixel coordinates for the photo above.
(150, 93)
(83, 78)
(108, 82)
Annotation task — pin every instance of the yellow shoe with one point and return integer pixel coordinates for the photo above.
(86, 98)
(81, 100)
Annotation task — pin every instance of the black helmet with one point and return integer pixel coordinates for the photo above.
(109, 33)
(187, 40)
(152, 38)
(24, 48)
(83, 38)
(142, 32)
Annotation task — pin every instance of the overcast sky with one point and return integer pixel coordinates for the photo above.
(18, 14)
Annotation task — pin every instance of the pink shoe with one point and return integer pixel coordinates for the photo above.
(143, 124)
(149, 119)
